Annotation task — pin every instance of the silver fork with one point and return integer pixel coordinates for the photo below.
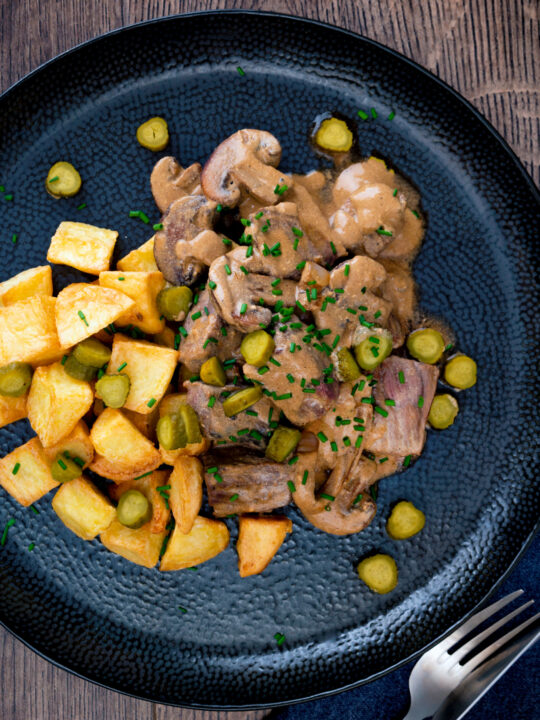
(438, 672)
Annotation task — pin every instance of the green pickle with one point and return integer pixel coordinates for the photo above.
(460, 372)
(63, 180)
(113, 390)
(92, 352)
(282, 443)
(64, 469)
(171, 432)
(15, 379)
(77, 370)
(426, 345)
(443, 411)
(174, 302)
(241, 400)
(370, 354)
(347, 366)
(133, 509)
(212, 372)
(190, 420)
(153, 134)
(257, 348)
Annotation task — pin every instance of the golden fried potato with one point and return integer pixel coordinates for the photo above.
(12, 409)
(206, 539)
(34, 281)
(56, 403)
(111, 471)
(144, 423)
(149, 367)
(83, 508)
(169, 457)
(171, 404)
(143, 288)
(116, 439)
(83, 308)
(259, 539)
(28, 330)
(185, 495)
(140, 546)
(166, 337)
(25, 473)
(77, 445)
(85, 247)
(148, 486)
(141, 259)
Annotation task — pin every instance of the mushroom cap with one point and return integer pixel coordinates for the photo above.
(169, 181)
(243, 148)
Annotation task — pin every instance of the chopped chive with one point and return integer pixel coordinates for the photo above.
(291, 485)
(196, 315)
(243, 308)
(151, 402)
(212, 285)
(373, 113)
(244, 270)
(382, 231)
(285, 396)
(347, 441)
(121, 278)
(157, 226)
(333, 248)
(280, 639)
(358, 441)
(234, 497)
(327, 497)
(389, 402)
(81, 206)
(377, 314)
(357, 499)
(218, 478)
(182, 609)
(383, 460)
(34, 510)
(16, 468)
(322, 437)
(56, 178)
(362, 115)
(226, 241)
(211, 402)
(228, 270)
(333, 445)
(415, 213)
(420, 401)
(31, 546)
(140, 215)
(14, 238)
(407, 461)
(449, 347)
(8, 197)
(395, 192)
(10, 523)
(367, 400)
(381, 411)
(373, 491)
(392, 115)
(240, 71)
(139, 477)
(121, 367)
(262, 370)
(212, 470)
(401, 377)
(81, 315)
(275, 362)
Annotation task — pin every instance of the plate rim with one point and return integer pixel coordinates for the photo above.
(535, 191)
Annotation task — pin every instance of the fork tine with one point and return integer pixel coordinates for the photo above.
(476, 620)
(477, 639)
(478, 659)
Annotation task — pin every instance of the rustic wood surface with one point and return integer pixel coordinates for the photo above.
(487, 49)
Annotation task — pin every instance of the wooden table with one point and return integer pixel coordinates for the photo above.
(488, 51)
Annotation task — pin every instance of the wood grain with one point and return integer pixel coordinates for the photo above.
(488, 50)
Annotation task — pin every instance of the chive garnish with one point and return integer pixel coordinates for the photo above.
(357, 499)
(151, 402)
(322, 437)
(280, 639)
(228, 270)
(407, 461)
(140, 215)
(291, 485)
(401, 377)
(389, 402)
(143, 475)
(10, 523)
(8, 197)
(121, 367)
(382, 231)
(56, 178)
(392, 115)
(81, 206)
(234, 497)
(157, 226)
(14, 238)
(420, 401)
(16, 468)
(34, 510)
(362, 115)
(31, 546)
(83, 318)
(240, 71)
(373, 113)
(327, 497)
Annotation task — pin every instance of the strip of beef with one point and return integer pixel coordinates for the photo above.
(307, 397)
(248, 429)
(256, 484)
(344, 424)
(205, 338)
(348, 301)
(402, 431)
(239, 289)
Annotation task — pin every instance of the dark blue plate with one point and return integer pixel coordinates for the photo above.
(118, 624)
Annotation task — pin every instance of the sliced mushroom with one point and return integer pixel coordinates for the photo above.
(351, 508)
(244, 164)
(238, 289)
(169, 181)
(187, 243)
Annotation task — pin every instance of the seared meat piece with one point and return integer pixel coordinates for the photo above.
(230, 430)
(308, 397)
(187, 243)
(276, 233)
(402, 431)
(234, 288)
(346, 421)
(261, 485)
(351, 508)
(399, 290)
(204, 335)
(354, 303)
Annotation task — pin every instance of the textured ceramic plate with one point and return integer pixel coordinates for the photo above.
(115, 623)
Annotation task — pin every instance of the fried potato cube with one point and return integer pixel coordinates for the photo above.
(144, 423)
(140, 546)
(149, 487)
(149, 367)
(170, 405)
(85, 247)
(75, 445)
(259, 539)
(206, 539)
(185, 495)
(116, 438)
(83, 508)
(141, 259)
(166, 337)
(12, 409)
(34, 281)
(25, 473)
(56, 403)
(143, 288)
(83, 309)
(28, 330)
